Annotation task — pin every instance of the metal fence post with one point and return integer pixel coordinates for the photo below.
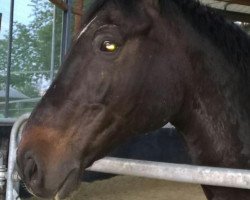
(12, 189)
(7, 95)
(52, 60)
(66, 30)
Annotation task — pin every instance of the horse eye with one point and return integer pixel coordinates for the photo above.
(109, 46)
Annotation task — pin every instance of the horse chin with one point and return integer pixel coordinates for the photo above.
(69, 185)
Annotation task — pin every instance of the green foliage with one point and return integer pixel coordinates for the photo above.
(31, 50)
(31, 54)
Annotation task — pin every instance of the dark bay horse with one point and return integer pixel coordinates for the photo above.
(136, 65)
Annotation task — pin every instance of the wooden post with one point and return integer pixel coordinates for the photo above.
(62, 5)
(78, 18)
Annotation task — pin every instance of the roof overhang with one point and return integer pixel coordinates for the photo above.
(236, 10)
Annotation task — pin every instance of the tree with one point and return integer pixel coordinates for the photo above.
(31, 50)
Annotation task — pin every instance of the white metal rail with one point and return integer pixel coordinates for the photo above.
(235, 178)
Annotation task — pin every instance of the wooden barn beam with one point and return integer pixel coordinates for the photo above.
(78, 18)
(63, 6)
(60, 4)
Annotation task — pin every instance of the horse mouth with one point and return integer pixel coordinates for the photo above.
(70, 184)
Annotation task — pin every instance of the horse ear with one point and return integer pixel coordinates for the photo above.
(152, 7)
(152, 3)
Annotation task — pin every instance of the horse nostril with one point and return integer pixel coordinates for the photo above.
(31, 173)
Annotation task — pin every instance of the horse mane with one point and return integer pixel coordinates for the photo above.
(125, 5)
(227, 36)
(230, 38)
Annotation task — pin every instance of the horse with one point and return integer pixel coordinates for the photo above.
(135, 66)
(162, 145)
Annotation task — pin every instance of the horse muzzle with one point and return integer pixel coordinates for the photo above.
(48, 180)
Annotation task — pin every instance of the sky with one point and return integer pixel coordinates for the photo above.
(22, 13)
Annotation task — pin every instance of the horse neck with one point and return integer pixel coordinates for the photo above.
(215, 117)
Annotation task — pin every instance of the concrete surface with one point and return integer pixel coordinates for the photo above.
(134, 188)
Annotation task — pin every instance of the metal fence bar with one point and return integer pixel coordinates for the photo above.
(1, 15)
(66, 30)
(235, 178)
(7, 95)
(68, 26)
(12, 184)
(63, 42)
(7, 121)
(30, 100)
(52, 60)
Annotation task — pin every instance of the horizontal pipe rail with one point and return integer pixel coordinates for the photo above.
(235, 178)
(29, 100)
(226, 177)
(7, 121)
